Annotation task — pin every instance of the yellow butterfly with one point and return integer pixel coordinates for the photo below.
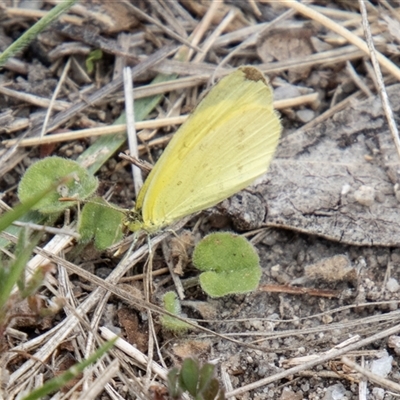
(225, 144)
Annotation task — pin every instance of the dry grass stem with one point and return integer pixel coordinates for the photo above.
(376, 379)
(328, 23)
(153, 124)
(382, 91)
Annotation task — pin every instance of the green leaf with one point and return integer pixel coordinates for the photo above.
(172, 305)
(33, 31)
(94, 55)
(49, 171)
(205, 376)
(213, 391)
(230, 264)
(100, 221)
(174, 390)
(196, 380)
(189, 375)
(19, 211)
(13, 274)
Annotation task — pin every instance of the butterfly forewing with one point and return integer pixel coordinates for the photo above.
(226, 143)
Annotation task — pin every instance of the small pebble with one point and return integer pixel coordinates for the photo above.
(286, 92)
(394, 343)
(78, 149)
(382, 366)
(392, 285)
(289, 394)
(378, 393)
(365, 195)
(305, 115)
(335, 392)
(327, 319)
(345, 189)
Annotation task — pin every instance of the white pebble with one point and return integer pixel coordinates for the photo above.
(345, 189)
(365, 195)
(335, 392)
(378, 393)
(382, 366)
(392, 285)
(305, 115)
(394, 343)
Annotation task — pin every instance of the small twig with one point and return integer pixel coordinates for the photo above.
(104, 377)
(299, 290)
(177, 282)
(253, 39)
(142, 15)
(376, 379)
(55, 94)
(371, 73)
(32, 32)
(213, 37)
(316, 16)
(200, 31)
(382, 90)
(134, 353)
(142, 164)
(151, 124)
(255, 8)
(357, 80)
(130, 127)
(36, 14)
(326, 357)
(107, 89)
(328, 113)
(38, 101)
(139, 277)
(92, 132)
(48, 229)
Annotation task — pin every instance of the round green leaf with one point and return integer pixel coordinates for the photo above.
(51, 170)
(230, 264)
(100, 221)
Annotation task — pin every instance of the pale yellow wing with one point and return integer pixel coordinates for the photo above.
(226, 143)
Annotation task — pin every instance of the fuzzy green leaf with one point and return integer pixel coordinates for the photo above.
(101, 222)
(48, 171)
(230, 264)
(172, 305)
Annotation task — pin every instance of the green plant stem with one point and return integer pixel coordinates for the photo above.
(17, 268)
(18, 211)
(33, 31)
